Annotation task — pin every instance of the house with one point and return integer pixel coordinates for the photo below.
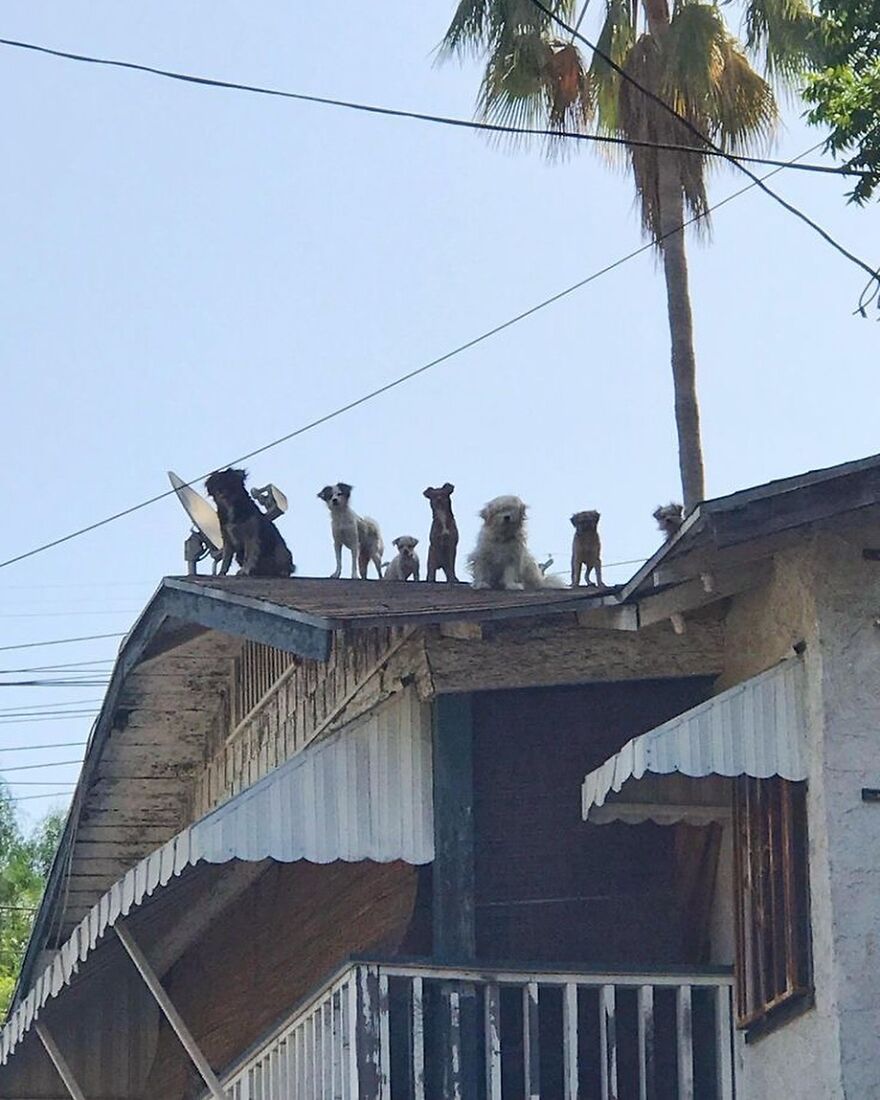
(339, 839)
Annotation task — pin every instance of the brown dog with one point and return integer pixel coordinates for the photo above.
(444, 533)
(669, 518)
(586, 549)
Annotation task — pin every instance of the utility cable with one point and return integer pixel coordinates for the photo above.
(66, 641)
(33, 748)
(711, 147)
(364, 398)
(32, 767)
(419, 116)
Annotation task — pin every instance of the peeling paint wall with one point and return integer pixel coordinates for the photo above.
(827, 595)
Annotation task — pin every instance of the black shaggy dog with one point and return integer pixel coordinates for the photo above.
(254, 540)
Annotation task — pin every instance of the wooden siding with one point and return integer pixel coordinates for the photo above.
(272, 948)
(307, 699)
(560, 651)
(551, 888)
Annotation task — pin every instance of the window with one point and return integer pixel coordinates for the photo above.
(772, 899)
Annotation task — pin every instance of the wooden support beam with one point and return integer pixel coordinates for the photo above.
(59, 1062)
(453, 873)
(170, 1012)
(692, 594)
(610, 618)
(463, 630)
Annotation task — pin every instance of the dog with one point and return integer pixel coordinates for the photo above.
(358, 534)
(406, 563)
(669, 518)
(586, 549)
(444, 533)
(501, 558)
(248, 534)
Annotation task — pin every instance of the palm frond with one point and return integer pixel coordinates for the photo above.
(487, 24)
(532, 82)
(786, 33)
(616, 40)
(742, 111)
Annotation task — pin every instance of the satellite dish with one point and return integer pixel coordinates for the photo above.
(199, 511)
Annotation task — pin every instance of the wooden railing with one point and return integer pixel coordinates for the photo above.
(382, 1031)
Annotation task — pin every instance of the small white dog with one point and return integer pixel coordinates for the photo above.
(358, 534)
(406, 562)
(501, 558)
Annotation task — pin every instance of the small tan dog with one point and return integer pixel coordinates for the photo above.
(586, 549)
(501, 558)
(669, 518)
(405, 563)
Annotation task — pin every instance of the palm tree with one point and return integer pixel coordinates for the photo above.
(687, 57)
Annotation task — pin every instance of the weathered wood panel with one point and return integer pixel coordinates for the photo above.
(271, 948)
(559, 651)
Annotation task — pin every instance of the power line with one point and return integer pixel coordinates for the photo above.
(33, 767)
(62, 716)
(710, 145)
(47, 794)
(33, 748)
(57, 668)
(35, 707)
(390, 385)
(59, 681)
(34, 783)
(418, 116)
(63, 614)
(66, 641)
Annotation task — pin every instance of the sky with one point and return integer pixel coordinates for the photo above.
(188, 273)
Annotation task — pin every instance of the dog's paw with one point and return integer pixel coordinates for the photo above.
(479, 584)
(514, 586)
(335, 576)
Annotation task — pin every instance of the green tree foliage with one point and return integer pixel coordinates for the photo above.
(683, 52)
(845, 93)
(24, 865)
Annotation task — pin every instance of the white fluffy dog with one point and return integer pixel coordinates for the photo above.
(501, 558)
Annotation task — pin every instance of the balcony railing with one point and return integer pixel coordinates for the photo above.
(382, 1031)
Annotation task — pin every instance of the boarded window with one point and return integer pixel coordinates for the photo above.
(257, 669)
(772, 900)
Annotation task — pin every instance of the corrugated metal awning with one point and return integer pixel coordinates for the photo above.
(365, 793)
(755, 728)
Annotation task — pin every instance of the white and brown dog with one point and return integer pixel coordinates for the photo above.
(501, 558)
(358, 534)
(405, 563)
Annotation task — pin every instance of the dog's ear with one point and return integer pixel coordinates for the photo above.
(325, 493)
(396, 542)
(574, 520)
(429, 492)
(484, 513)
(415, 543)
(345, 488)
(448, 488)
(523, 508)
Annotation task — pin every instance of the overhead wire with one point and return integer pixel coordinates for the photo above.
(420, 116)
(34, 767)
(399, 381)
(711, 147)
(62, 641)
(34, 748)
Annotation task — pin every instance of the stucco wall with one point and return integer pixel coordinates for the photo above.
(828, 596)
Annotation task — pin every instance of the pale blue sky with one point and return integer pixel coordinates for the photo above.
(188, 273)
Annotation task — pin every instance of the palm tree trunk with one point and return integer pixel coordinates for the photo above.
(681, 330)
